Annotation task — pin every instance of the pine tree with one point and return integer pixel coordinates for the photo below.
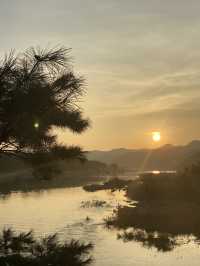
(39, 92)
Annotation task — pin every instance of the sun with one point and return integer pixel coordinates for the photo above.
(36, 125)
(156, 136)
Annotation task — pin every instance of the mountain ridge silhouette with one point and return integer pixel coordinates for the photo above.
(166, 157)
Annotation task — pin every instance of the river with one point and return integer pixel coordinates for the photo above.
(59, 210)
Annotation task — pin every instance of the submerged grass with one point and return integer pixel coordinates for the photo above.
(112, 184)
(161, 241)
(94, 204)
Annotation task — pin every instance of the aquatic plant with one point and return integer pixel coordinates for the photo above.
(161, 241)
(113, 184)
(94, 203)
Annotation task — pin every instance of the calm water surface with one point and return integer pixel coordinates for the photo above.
(59, 210)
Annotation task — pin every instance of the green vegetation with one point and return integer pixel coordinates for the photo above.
(162, 242)
(169, 217)
(183, 186)
(113, 184)
(24, 250)
(38, 93)
(16, 175)
(94, 203)
(164, 204)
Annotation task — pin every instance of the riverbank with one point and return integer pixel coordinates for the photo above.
(16, 175)
(33, 184)
(165, 207)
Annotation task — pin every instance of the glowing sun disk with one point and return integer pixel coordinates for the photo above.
(156, 136)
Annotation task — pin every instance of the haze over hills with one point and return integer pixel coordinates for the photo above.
(167, 157)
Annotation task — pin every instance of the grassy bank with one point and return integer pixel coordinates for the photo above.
(166, 206)
(181, 186)
(180, 218)
(16, 175)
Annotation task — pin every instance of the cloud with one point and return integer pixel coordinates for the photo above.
(141, 58)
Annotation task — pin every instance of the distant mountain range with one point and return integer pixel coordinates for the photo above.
(167, 157)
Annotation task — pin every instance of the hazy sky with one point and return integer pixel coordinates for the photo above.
(141, 59)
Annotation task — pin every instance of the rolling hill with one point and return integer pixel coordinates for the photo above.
(167, 157)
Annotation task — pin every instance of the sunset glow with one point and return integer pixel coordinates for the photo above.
(156, 136)
(36, 125)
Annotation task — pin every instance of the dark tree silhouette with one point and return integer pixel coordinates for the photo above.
(39, 91)
(24, 249)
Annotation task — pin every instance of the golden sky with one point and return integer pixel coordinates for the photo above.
(141, 60)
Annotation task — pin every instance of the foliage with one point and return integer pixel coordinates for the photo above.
(180, 186)
(24, 249)
(167, 207)
(161, 241)
(113, 184)
(157, 224)
(94, 203)
(38, 93)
